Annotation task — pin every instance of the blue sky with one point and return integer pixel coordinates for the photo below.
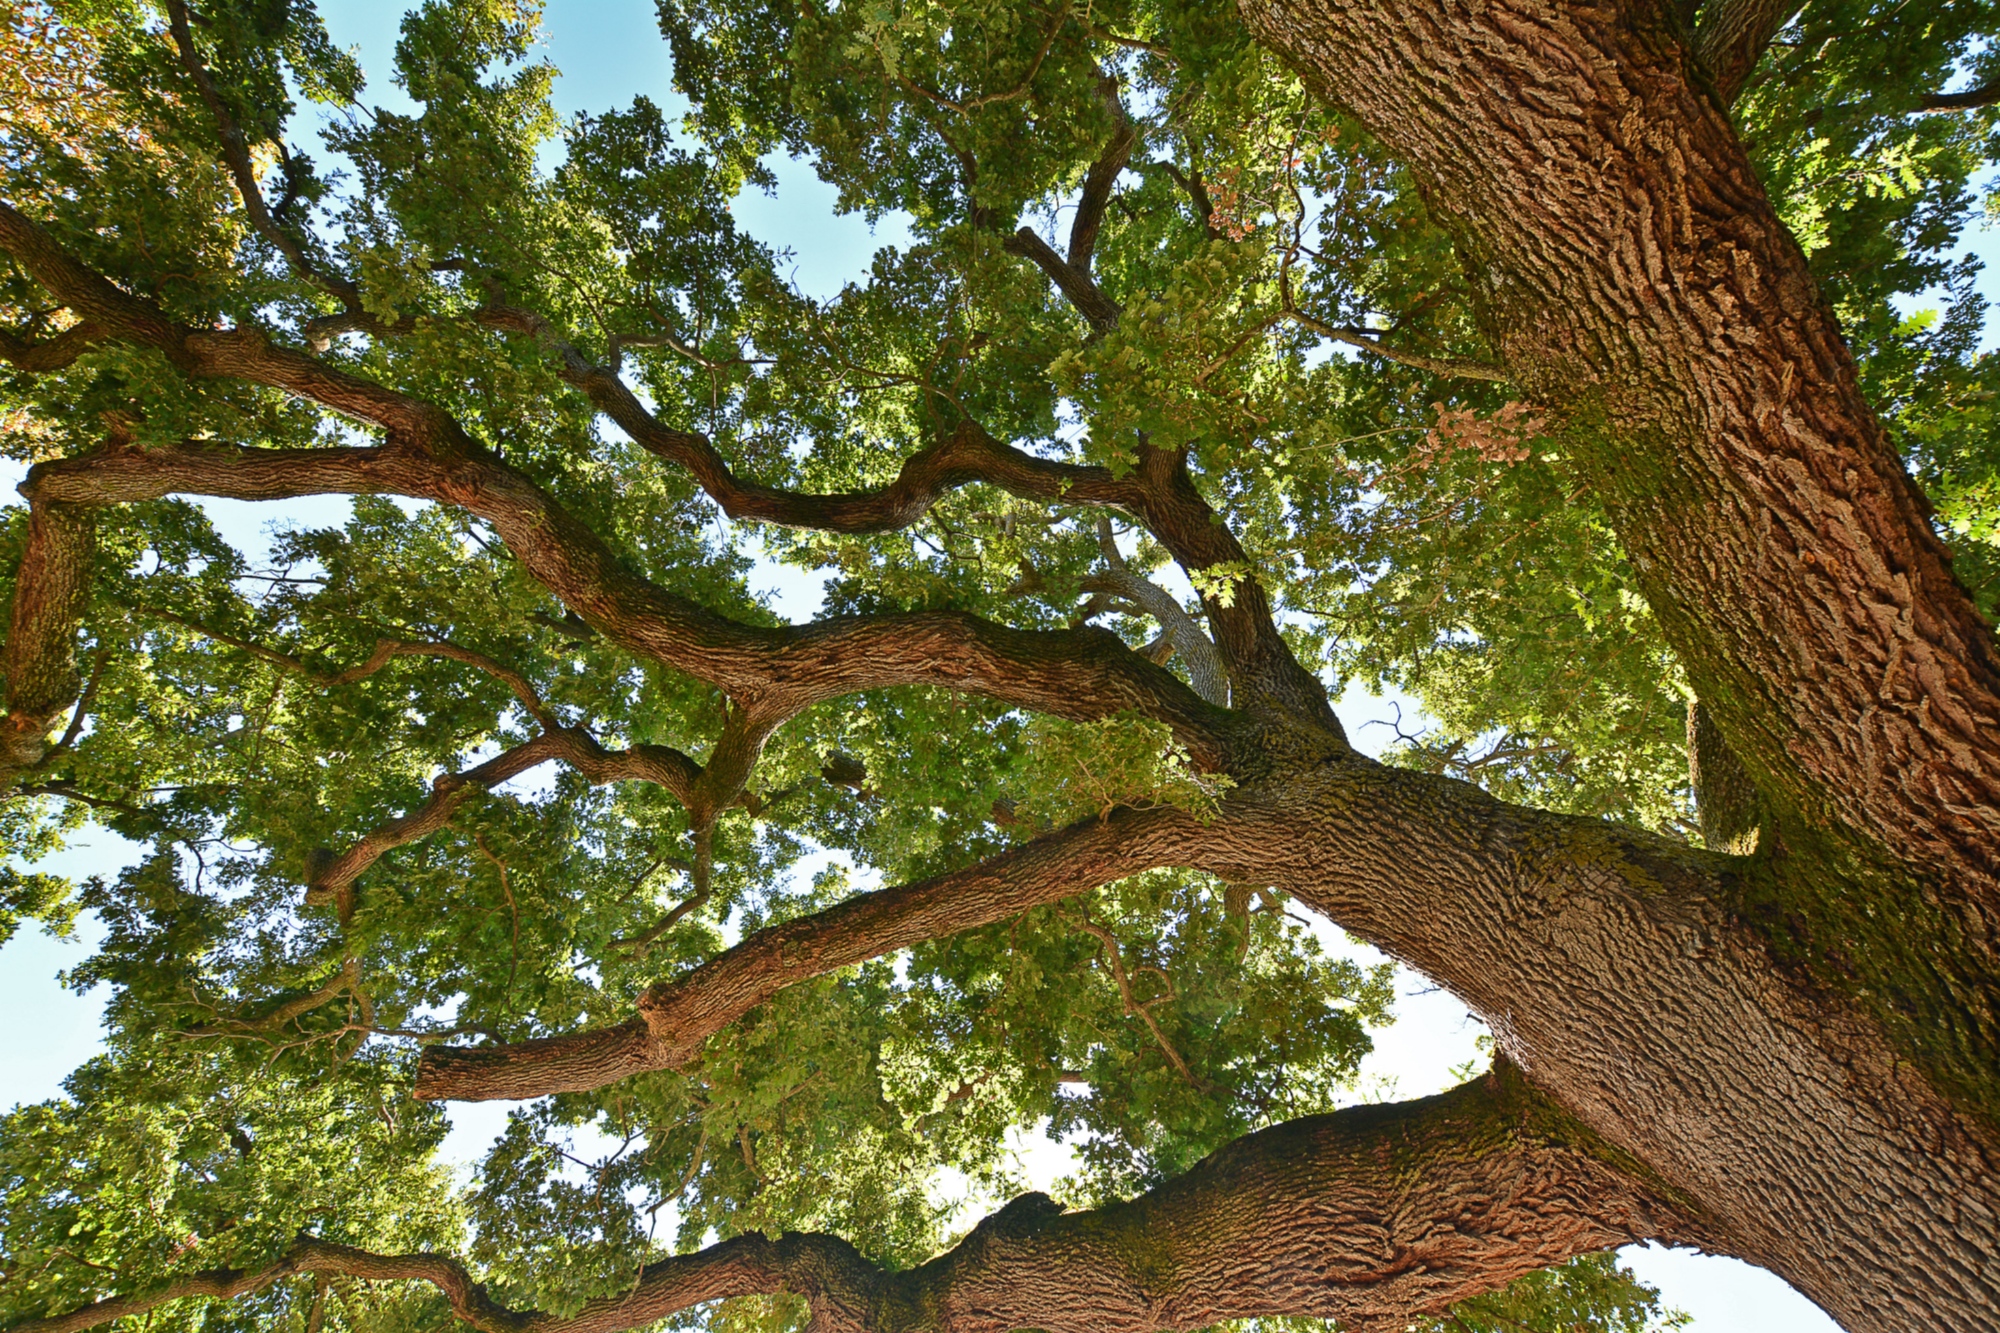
(607, 51)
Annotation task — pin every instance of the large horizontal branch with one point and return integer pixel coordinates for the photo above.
(1371, 1216)
(243, 353)
(676, 1018)
(775, 672)
(1086, 673)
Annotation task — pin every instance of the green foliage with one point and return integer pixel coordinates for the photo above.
(168, 1156)
(1414, 531)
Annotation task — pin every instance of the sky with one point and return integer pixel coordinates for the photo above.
(607, 51)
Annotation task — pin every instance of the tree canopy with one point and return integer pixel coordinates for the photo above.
(1184, 405)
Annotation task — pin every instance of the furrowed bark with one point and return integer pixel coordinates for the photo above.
(1369, 1216)
(1635, 278)
(1730, 38)
(39, 659)
(1618, 970)
(676, 1018)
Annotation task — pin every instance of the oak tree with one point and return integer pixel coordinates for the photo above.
(1560, 364)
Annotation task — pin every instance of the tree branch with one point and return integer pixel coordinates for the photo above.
(1099, 310)
(676, 1018)
(385, 652)
(1160, 493)
(39, 358)
(775, 672)
(1450, 366)
(1730, 38)
(965, 455)
(1205, 669)
(1986, 94)
(1367, 1216)
(236, 155)
(39, 657)
(657, 764)
(1099, 181)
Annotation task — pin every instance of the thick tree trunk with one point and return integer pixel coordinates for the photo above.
(1814, 1059)
(1635, 277)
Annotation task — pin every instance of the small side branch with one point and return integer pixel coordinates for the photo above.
(236, 155)
(1970, 100)
(1196, 649)
(49, 354)
(1454, 367)
(669, 768)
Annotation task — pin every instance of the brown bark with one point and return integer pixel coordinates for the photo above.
(39, 658)
(1368, 1216)
(1616, 973)
(1083, 674)
(1636, 279)
(1725, 799)
(1731, 36)
(661, 765)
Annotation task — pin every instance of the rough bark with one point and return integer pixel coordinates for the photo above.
(1725, 799)
(1635, 279)
(1368, 1216)
(1616, 973)
(1634, 275)
(39, 660)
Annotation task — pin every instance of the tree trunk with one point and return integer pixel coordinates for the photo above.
(1757, 1050)
(1636, 279)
